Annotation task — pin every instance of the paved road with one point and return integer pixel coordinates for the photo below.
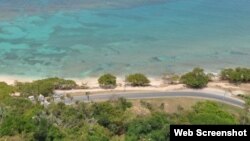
(218, 97)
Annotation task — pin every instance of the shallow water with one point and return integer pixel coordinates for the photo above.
(90, 37)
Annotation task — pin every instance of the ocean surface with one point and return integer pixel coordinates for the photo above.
(84, 38)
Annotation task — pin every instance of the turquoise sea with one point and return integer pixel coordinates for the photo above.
(79, 38)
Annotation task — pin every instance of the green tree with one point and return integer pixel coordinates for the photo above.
(195, 79)
(42, 131)
(225, 74)
(107, 81)
(137, 79)
(5, 90)
(18, 117)
(237, 75)
(210, 113)
(244, 117)
(44, 86)
(154, 128)
(112, 115)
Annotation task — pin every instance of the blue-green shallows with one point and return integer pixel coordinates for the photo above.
(88, 38)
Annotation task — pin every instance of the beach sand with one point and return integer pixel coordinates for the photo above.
(157, 84)
(12, 79)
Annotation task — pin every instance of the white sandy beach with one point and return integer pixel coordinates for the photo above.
(12, 79)
(157, 84)
(90, 81)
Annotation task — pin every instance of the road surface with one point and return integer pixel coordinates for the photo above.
(150, 95)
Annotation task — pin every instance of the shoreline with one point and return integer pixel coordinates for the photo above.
(90, 81)
(157, 84)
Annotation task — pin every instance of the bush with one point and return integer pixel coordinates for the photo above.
(63, 84)
(210, 113)
(111, 115)
(5, 90)
(137, 80)
(195, 79)
(107, 81)
(44, 86)
(59, 83)
(238, 75)
(35, 88)
(154, 128)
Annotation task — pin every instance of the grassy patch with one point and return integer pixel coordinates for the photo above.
(174, 105)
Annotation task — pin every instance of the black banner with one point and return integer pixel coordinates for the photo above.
(211, 132)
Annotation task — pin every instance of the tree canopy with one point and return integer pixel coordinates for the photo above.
(107, 81)
(195, 79)
(237, 75)
(44, 86)
(137, 79)
(116, 119)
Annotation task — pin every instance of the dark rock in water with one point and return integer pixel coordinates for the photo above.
(114, 50)
(127, 65)
(98, 25)
(10, 56)
(238, 53)
(173, 57)
(109, 65)
(162, 59)
(47, 63)
(33, 61)
(156, 59)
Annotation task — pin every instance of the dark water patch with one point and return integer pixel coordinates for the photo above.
(117, 52)
(238, 53)
(106, 54)
(63, 32)
(156, 59)
(58, 59)
(34, 57)
(163, 58)
(148, 38)
(15, 8)
(55, 52)
(121, 16)
(60, 38)
(98, 25)
(10, 56)
(1, 30)
(117, 37)
(33, 44)
(127, 65)
(47, 63)
(12, 41)
(74, 52)
(51, 56)
(216, 53)
(83, 38)
(33, 61)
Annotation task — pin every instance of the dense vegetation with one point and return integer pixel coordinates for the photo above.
(195, 79)
(210, 113)
(107, 81)
(44, 86)
(137, 79)
(238, 75)
(21, 119)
